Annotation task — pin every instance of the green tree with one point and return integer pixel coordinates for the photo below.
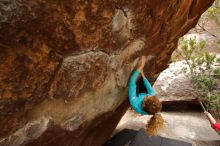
(204, 74)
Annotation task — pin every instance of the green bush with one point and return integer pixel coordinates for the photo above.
(213, 103)
(204, 82)
(217, 73)
(214, 12)
(202, 71)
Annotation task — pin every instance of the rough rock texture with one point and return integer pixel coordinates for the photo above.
(175, 84)
(64, 65)
(175, 88)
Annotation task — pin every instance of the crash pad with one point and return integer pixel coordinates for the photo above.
(128, 137)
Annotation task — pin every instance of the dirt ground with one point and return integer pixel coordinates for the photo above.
(190, 126)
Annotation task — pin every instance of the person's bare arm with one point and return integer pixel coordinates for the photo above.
(147, 84)
(141, 64)
(210, 118)
(142, 74)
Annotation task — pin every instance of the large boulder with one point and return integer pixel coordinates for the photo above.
(64, 65)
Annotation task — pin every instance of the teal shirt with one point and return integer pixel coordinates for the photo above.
(136, 99)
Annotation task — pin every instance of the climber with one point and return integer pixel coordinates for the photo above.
(143, 103)
(214, 124)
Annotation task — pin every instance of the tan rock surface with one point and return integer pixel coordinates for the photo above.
(64, 65)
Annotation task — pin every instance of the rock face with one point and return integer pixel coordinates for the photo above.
(64, 65)
(175, 85)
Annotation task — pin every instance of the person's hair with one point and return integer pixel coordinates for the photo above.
(154, 125)
(151, 104)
